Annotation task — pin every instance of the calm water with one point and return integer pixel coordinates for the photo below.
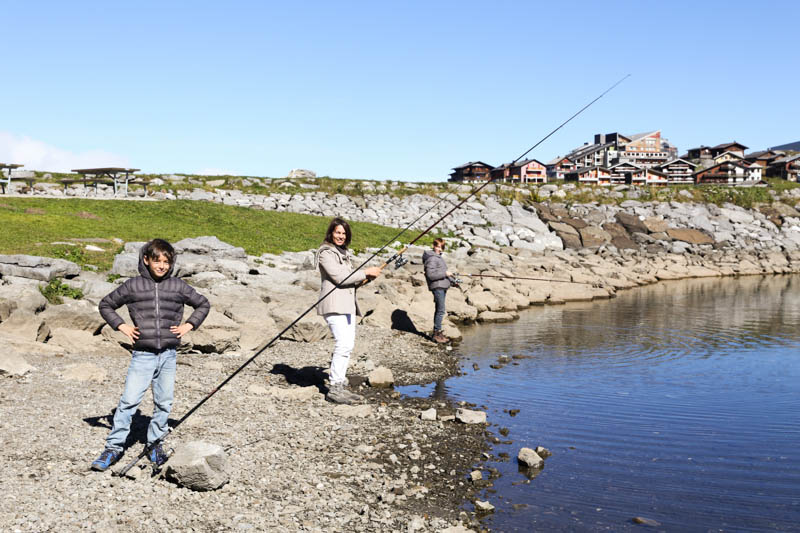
(676, 402)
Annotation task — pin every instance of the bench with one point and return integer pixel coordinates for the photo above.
(113, 176)
(7, 174)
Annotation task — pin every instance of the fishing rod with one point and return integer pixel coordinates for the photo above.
(526, 278)
(395, 257)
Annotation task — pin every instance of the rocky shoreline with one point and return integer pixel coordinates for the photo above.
(299, 463)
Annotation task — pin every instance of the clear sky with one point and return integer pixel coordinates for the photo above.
(383, 90)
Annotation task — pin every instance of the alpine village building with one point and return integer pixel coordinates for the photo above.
(642, 159)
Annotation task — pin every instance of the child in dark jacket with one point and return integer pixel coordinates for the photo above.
(155, 303)
(438, 279)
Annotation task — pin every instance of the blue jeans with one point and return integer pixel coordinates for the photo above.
(438, 299)
(146, 368)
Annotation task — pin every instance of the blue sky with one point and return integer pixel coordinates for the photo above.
(383, 90)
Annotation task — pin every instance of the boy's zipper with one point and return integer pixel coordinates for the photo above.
(158, 322)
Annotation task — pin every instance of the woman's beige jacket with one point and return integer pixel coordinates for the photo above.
(334, 267)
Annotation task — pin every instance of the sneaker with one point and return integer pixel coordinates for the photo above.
(338, 394)
(106, 459)
(157, 455)
(440, 337)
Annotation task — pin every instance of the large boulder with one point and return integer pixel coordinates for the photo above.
(692, 236)
(75, 314)
(592, 236)
(24, 325)
(38, 268)
(209, 246)
(22, 297)
(631, 222)
(198, 465)
(12, 364)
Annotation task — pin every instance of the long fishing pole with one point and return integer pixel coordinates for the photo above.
(526, 278)
(152, 445)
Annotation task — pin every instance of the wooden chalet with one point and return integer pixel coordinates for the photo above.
(764, 158)
(701, 152)
(656, 177)
(592, 175)
(678, 171)
(627, 173)
(472, 171)
(558, 167)
(726, 173)
(734, 147)
(526, 171)
(786, 167)
(728, 156)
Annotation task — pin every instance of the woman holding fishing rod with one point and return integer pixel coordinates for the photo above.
(340, 308)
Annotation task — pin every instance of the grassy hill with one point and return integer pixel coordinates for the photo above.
(32, 226)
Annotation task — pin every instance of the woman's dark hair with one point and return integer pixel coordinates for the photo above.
(157, 247)
(438, 241)
(332, 226)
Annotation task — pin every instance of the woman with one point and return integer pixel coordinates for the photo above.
(340, 308)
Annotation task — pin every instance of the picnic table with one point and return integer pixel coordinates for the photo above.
(115, 176)
(6, 175)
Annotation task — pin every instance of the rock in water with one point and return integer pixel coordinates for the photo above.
(199, 465)
(529, 458)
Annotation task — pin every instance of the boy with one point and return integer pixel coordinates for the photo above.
(155, 303)
(438, 279)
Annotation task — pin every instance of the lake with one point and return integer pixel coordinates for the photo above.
(676, 402)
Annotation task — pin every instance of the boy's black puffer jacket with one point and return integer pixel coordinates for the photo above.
(154, 307)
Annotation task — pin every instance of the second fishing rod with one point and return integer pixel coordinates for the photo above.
(396, 257)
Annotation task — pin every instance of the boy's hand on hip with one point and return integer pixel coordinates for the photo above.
(181, 330)
(132, 332)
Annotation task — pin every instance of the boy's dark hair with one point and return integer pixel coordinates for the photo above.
(439, 241)
(332, 226)
(157, 247)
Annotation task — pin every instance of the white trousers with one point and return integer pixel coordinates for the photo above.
(343, 328)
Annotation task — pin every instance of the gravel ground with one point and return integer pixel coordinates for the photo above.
(297, 462)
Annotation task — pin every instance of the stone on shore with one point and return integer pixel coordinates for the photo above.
(13, 364)
(84, 372)
(381, 377)
(482, 507)
(468, 416)
(199, 466)
(428, 414)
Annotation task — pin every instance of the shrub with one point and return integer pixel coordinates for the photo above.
(55, 290)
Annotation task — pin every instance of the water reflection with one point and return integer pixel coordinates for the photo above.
(677, 402)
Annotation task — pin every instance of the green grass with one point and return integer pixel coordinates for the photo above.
(31, 225)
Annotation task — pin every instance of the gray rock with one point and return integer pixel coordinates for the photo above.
(209, 245)
(482, 507)
(84, 372)
(381, 377)
(529, 458)
(24, 325)
(198, 465)
(23, 297)
(468, 416)
(428, 414)
(13, 364)
(35, 267)
(75, 314)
